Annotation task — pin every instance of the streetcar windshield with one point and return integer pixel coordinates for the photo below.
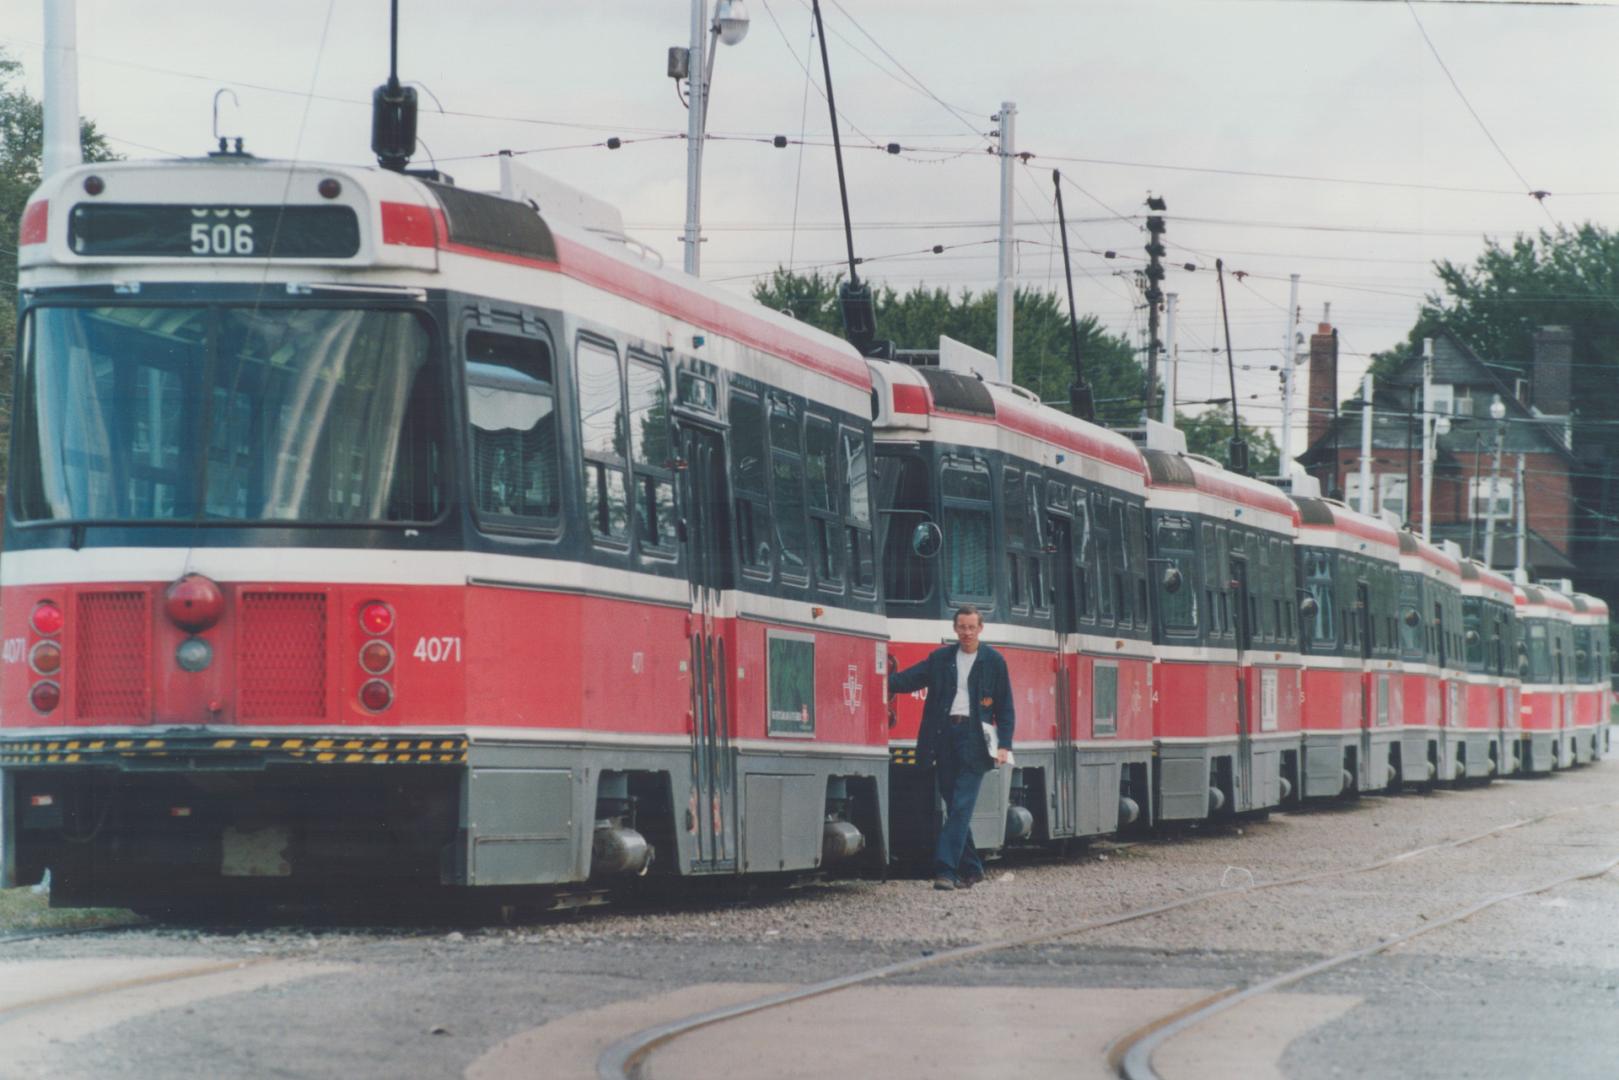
(228, 414)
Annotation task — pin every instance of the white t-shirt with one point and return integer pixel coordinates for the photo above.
(962, 705)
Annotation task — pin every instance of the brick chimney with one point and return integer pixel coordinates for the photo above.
(1323, 381)
(1550, 376)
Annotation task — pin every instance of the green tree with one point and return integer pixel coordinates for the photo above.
(1564, 277)
(1040, 341)
(22, 131)
(1209, 433)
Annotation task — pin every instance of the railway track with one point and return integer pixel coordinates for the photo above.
(626, 1058)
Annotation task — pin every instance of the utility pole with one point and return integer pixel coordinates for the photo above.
(1498, 412)
(1155, 295)
(1523, 528)
(1427, 437)
(1007, 284)
(1171, 359)
(1286, 468)
(1366, 444)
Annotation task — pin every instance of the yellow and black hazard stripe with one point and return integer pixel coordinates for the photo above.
(902, 755)
(200, 749)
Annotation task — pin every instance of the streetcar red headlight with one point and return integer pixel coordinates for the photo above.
(377, 617)
(45, 696)
(377, 657)
(94, 185)
(47, 618)
(45, 657)
(193, 603)
(376, 695)
(329, 188)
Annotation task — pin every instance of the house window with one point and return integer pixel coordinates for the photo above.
(1442, 399)
(1484, 506)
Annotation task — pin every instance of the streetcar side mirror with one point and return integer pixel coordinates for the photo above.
(681, 532)
(1412, 618)
(1172, 579)
(926, 539)
(1308, 608)
(1472, 637)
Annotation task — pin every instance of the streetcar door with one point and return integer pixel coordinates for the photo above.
(1065, 619)
(710, 816)
(1374, 692)
(1244, 782)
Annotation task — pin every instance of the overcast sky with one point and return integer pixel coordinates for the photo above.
(1188, 99)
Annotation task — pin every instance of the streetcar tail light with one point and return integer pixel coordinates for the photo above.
(179, 811)
(47, 618)
(377, 657)
(376, 695)
(376, 617)
(45, 696)
(45, 658)
(41, 800)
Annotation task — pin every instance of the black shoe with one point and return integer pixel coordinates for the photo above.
(944, 884)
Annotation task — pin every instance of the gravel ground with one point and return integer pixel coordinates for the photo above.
(429, 1000)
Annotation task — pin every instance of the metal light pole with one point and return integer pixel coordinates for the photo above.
(1171, 358)
(1005, 289)
(1287, 378)
(1498, 412)
(730, 26)
(1427, 437)
(1523, 528)
(61, 135)
(1366, 444)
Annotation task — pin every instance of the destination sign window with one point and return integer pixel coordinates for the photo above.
(214, 232)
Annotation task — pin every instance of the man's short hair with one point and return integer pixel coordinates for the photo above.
(968, 609)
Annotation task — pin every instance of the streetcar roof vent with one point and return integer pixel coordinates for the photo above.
(1313, 511)
(1408, 543)
(1168, 470)
(958, 393)
(494, 224)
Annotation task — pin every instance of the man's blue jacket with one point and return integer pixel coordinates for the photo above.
(989, 691)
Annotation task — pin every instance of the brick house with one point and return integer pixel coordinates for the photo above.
(1536, 425)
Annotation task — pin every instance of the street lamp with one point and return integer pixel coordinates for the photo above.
(729, 27)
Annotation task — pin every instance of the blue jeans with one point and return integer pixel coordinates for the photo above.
(956, 856)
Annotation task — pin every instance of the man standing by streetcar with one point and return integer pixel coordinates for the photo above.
(966, 730)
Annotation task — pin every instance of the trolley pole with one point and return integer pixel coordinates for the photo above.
(1155, 296)
(1006, 282)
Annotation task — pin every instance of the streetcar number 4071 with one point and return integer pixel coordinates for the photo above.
(437, 650)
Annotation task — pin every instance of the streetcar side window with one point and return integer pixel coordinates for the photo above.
(969, 545)
(1016, 520)
(1136, 535)
(825, 515)
(1173, 546)
(856, 462)
(1104, 558)
(604, 439)
(512, 409)
(787, 487)
(652, 457)
(904, 494)
(748, 472)
(1039, 592)
(1084, 556)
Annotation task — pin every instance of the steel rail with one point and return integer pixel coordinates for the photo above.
(624, 1058)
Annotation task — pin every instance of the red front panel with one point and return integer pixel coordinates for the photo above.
(1196, 701)
(1482, 706)
(1334, 699)
(1588, 707)
(1423, 700)
(285, 655)
(1542, 709)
